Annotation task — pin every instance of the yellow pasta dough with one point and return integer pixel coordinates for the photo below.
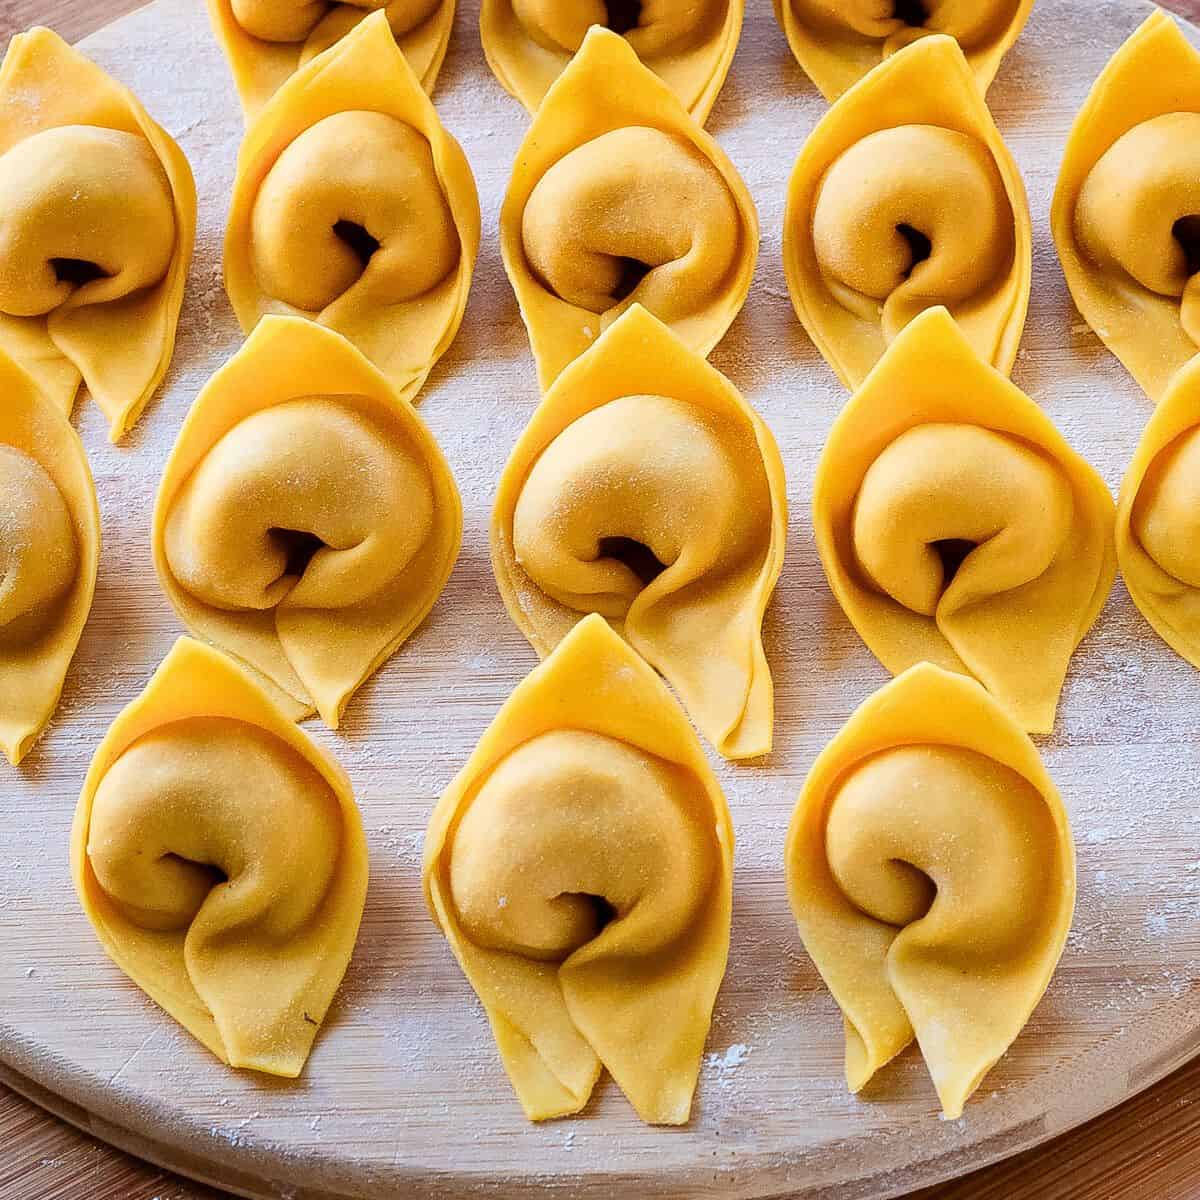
(905, 197)
(220, 858)
(688, 45)
(306, 520)
(646, 489)
(1126, 211)
(49, 555)
(354, 208)
(956, 525)
(837, 42)
(1158, 517)
(97, 220)
(618, 197)
(931, 871)
(267, 41)
(580, 866)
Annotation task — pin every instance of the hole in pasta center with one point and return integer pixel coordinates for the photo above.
(215, 873)
(299, 545)
(952, 552)
(920, 247)
(77, 271)
(357, 238)
(604, 912)
(632, 272)
(922, 889)
(623, 15)
(1186, 231)
(637, 556)
(911, 12)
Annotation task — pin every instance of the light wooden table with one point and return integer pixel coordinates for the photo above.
(1149, 1146)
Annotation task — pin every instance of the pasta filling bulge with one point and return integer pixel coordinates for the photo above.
(307, 504)
(86, 216)
(574, 837)
(215, 820)
(319, 24)
(353, 203)
(1139, 210)
(951, 514)
(644, 489)
(635, 214)
(652, 27)
(910, 217)
(898, 22)
(1165, 516)
(39, 555)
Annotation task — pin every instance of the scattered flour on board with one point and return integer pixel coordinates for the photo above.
(1137, 836)
(733, 1057)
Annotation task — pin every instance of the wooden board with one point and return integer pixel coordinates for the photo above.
(404, 1095)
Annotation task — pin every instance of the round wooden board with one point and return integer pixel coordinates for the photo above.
(404, 1096)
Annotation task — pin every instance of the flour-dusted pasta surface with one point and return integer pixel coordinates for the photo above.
(581, 867)
(404, 1077)
(931, 872)
(220, 858)
(646, 489)
(306, 520)
(98, 219)
(354, 208)
(902, 198)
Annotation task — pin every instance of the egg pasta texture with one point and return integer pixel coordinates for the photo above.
(354, 208)
(1158, 517)
(646, 489)
(837, 42)
(1126, 210)
(220, 857)
(955, 524)
(688, 45)
(618, 197)
(931, 871)
(49, 555)
(580, 866)
(905, 197)
(97, 221)
(267, 41)
(306, 520)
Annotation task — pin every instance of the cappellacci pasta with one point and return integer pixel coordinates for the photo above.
(618, 197)
(267, 41)
(646, 489)
(220, 858)
(931, 872)
(354, 208)
(49, 555)
(956, 526)
(97, 221)
(688, 45)
(580, 865)
(1157, 514)
(1126, 210)
(905, 197)
(306, 520)
(837, 42)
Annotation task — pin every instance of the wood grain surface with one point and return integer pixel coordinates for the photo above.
(1149, 1146)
